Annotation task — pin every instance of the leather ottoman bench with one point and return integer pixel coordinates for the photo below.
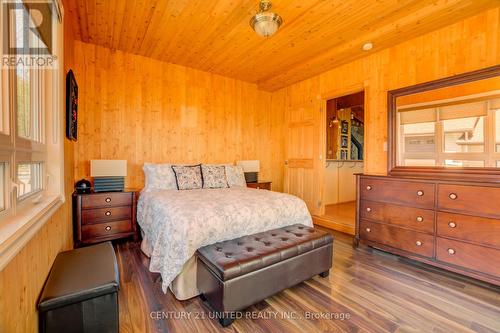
(81, 292)
(235, 274)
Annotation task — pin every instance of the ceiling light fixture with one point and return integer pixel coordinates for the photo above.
(367, 46)
(265, 23)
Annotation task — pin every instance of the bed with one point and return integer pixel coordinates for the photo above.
(176, 223)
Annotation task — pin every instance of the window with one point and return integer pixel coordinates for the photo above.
(461, 133)
(29, 177)
(31, 149)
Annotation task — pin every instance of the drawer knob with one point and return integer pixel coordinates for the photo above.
(451, 251)
(108, 228)
(420, 193)
(108, 213)
(419, 243)
(368, 209)
(452, 224)
(368, 230)
(108, 200)
(453, 196)
(420, 219)
(368, 188)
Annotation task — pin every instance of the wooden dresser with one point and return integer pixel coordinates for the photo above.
(452, 225)
(104, 216)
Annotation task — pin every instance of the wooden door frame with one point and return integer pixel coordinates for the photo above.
(325, 97)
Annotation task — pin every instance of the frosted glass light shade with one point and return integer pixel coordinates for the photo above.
(266, 24)
(108, 168)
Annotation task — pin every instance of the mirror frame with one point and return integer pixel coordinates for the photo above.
(478, 174)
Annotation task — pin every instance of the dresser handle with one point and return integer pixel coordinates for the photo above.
(108, 228)
(108, 213)
(452, 224)
(420, 193)
(420, 219)
(451, 251)
(453, 196)
(368, 209)
(108, 200)
(368, 188)
(419, 243)
(368, 230)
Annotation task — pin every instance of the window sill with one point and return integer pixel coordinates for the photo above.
(17, 231)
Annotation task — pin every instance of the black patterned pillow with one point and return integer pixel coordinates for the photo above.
(214, 176)
(188, 177)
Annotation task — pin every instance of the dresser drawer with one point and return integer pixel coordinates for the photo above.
(470, 228)
(106, 229)
(102, 215)
(473, 257)
(107, 200)
(474, 200)
(403, 239)
(413, 194)
(414, 218)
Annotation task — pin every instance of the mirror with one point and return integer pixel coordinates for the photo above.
(450, 125)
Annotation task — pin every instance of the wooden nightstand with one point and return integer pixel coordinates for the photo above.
(260, 185)
(103, 216)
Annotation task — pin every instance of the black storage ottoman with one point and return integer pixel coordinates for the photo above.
(81, 292)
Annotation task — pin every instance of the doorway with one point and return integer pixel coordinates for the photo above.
(345, 151)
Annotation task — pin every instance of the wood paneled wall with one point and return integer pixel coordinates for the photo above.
(21, 281)
(465, 46)
(144, 110)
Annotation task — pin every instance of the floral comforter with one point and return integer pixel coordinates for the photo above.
(177, 223)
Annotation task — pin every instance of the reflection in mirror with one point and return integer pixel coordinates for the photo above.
(455, 126)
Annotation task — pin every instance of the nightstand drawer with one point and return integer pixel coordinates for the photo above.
(260, 186)
(102, 215)
(106, 229)
(110, 199)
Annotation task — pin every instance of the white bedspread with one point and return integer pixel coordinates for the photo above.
(177, 223)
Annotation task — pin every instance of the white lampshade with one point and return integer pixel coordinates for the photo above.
(108, 168)
(250, 165)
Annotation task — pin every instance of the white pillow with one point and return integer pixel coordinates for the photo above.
(235, 176)
(159, 177)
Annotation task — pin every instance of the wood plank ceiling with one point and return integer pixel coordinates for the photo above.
(215, 35)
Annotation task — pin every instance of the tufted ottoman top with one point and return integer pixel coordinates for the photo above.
(232, 258)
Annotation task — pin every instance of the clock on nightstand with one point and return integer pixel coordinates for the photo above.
(260, 185)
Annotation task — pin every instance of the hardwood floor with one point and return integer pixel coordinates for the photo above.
(340, 217)
(372, 290)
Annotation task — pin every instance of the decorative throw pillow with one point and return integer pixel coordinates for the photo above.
(159, 177)
(214, 176)
(235, 176)
(188, 176)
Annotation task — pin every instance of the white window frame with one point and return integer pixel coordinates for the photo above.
(23, 217)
